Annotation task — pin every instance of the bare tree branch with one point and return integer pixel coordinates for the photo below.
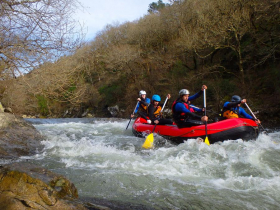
(34, 32)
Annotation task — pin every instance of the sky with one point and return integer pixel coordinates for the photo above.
(99, 13)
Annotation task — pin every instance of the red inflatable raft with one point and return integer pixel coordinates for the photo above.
(229, 129)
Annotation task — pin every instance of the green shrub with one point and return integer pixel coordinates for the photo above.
(43, 105)
(113, 92)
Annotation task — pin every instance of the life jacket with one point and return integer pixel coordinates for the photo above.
(231, 113)
(179, 116)
(157, 112)
(143, 107)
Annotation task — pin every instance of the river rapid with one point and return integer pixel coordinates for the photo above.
(107, 164)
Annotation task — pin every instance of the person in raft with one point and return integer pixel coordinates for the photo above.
(143, 104)
(154, 112)
(233, 110)
(182, 115)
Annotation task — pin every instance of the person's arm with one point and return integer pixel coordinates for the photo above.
(151, 110)
(143, 115)
(179, 107)
(137, 107)
(231, 104)
(195, 96)
(198, 93)
(195, 108)
(245, 114)
(194, 116)
(146, 102)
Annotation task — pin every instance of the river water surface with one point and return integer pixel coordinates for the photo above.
(106, 163)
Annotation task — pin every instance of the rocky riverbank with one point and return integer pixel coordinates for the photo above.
(27, 186)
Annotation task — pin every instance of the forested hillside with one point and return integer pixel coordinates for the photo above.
(232, 46)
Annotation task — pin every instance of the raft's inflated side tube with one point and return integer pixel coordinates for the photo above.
(243, 132)
(217, 132)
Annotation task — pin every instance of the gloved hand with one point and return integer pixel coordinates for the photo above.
(149, 121)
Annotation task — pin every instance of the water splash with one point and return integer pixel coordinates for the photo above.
(106, 161)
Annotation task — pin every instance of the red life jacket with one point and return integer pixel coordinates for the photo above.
(179, 115)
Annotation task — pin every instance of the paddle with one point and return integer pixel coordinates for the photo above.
(132, 114)
(149, 142)
(206, 137)
(254, 116)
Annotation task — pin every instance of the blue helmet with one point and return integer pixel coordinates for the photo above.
(235, 98)
(156, 98)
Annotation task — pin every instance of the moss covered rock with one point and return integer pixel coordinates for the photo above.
(21, 188)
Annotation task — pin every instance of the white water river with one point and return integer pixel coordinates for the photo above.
(106, 163)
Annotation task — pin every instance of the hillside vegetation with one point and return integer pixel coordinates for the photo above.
(232, 46)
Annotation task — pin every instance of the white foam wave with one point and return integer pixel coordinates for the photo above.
(101, 156)
(105, 146)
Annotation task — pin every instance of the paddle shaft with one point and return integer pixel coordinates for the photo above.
(132, 114)
(253, 115)
(164, 104)
(204, 101)
(149, 142)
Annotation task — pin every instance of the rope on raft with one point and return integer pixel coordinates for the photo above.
(192, 131)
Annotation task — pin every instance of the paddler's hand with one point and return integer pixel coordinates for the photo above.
(204, 118)
(243, 101)
(168, 96)
(131, 116)
(204, 87)
(156, 121)
(149, 121)
(138, 99)
(258, 121)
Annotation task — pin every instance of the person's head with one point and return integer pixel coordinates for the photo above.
(156, 99)
(142, 94)
(235, 98)
(184, 95)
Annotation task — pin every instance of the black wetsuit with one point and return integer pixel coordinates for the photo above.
(153, 117)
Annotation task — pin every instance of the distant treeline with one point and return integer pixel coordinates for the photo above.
(232, 46)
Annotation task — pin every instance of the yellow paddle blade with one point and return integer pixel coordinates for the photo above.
(207, 141)
(149, 142)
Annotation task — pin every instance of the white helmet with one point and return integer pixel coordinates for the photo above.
(184, 92)
(142, 92)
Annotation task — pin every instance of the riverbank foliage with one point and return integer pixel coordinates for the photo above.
(232, 46)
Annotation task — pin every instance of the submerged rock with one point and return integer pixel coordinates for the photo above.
(114, 110)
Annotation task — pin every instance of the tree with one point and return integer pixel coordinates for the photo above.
(33, 32)
(220, 25)
(155, 7)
